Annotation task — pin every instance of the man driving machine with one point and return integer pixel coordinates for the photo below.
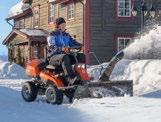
(59, 43)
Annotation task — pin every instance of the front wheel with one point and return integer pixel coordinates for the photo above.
(29, 91)
(54, 95)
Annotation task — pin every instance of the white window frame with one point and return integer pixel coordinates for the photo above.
(71, 11)
(51, 13)
(123, 38)
(123, 9)
(19, 23)
(35, 51)
(36, 18)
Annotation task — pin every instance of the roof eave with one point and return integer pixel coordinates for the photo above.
(15, 31)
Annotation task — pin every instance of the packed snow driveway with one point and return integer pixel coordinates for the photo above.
(14, 109)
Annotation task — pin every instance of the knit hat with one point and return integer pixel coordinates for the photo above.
(59, 21)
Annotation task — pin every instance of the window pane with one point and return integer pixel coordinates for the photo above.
(36, 16)
(123, 43)
(124, 8)
(127, 13)
(70, 11)
(127, 41)
(120, 12)
(127, 4)
(35, 52)
(121, 5)
(51, 12)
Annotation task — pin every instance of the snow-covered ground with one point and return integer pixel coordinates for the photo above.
(143, 107)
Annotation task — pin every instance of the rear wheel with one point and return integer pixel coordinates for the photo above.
(29, 91)
(54, 95)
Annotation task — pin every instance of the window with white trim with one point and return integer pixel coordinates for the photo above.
(123, 42)
(35, 52)
(70, 11)
(51, 12)
(19, 23)
(124, 8)
(36, 18)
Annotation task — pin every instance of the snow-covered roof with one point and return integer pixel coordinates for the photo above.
(19, 8)
(27, 33)
(34, 32)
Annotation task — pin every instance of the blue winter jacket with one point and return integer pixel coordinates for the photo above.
(58, 40)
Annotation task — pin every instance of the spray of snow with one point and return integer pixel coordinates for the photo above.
(148, 46)
(140, 64)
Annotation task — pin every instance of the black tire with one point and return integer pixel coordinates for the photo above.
(29, 91)
(53, 95)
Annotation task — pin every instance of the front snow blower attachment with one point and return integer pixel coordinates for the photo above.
(104, 87)
(51, 81)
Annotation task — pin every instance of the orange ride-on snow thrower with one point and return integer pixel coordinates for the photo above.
(51, 82)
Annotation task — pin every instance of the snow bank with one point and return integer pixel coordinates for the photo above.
(145, 73)
(13, 71)
(18, 9)
(148, 46)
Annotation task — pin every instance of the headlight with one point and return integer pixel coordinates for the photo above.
(79, 66)
(82, 66)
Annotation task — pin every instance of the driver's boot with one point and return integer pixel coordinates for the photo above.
(72, 80)
(70, 100)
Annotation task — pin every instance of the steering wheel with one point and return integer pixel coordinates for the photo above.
(75, 50)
